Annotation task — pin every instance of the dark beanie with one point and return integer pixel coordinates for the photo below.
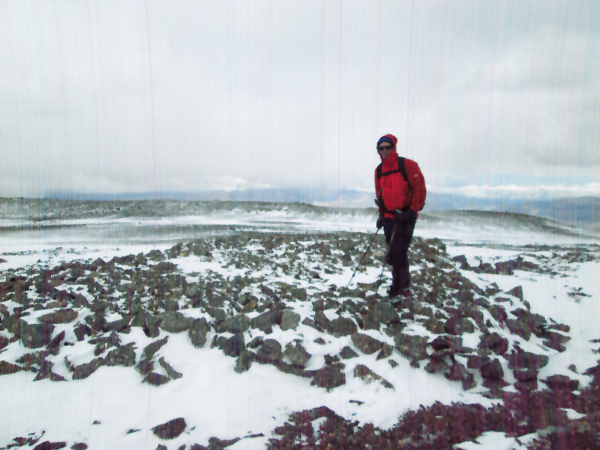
(385, 139)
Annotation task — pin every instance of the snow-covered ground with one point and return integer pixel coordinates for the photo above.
(215, 400)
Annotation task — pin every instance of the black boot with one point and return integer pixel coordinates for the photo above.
(396, 286)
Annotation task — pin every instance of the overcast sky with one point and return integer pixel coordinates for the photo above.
(489, 97)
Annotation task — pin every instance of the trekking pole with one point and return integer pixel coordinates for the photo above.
(386, 256)
(363, 257)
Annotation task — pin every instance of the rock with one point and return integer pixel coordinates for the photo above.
(348, 353)
(289, 320)
(218, 314)
(561, 382)
(265, 321)
(171, 305)
(269, 352)
(366, 343)
(341, 326)
(296, 353)
(7, 368)
(444, 342)
(329, 377)
(197, 332)
(244, 361)
(151, 325)
(54, 345)
(498, 312)
(516, 292)
(46, 372)
(81, 331)
(320, 341)
(494, 342)
(234, 324)
(145, 366)
(555, 340)
(47, 445)
(386, 313)
(364, 373)
(458, 372)
(121, 356)
(35, 335)
(436, 365)
(413, 347)
(156, 379)
(256, 342)
(60, 316)
(153, 347)
(4, 341)
(234, 345)
(525, 360)
(492, 370)
(525, 374)
(385, 352)
(459, 325)
(85, 370)
(99, 306)
(519, 327)
(174, 322)
(170, 371)
(171, 429)
(79, 446)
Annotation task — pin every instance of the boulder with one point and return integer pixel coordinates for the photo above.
(35, 335)
(458, 372)
(413, 347)
(171, 429)
(269, 352)
(494, 342)
(385, 352)
(348, 353)
(519, 359)
(329, 377)
(54, 345)
(7, 368)
(121, 356)
(153, 347)
(519, 327)
(555, 340)
(244, 361)
(85, 370)
(341, 326)
(296, 353)
(386, 313)
(197, 332)
(289, 320)
(561, 382)
(234, 324)
(81, 331)
(234, 345)
(174, 321)
(173, 374)
(366, 343)
(368, 376)
(156, 379)
(61, 316)
(492, 370)
(265, 321)
(459, 325)
(171, 305)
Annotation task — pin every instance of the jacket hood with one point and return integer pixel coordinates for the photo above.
(393, 156)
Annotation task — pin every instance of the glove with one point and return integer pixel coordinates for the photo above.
(406, 215)
(380, 221)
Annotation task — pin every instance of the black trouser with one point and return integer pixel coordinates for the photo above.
(398, 248)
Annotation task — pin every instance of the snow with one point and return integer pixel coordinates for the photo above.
(215, 400)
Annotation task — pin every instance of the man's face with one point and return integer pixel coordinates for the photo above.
(384, 149)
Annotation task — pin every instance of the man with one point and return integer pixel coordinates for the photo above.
(401, 192)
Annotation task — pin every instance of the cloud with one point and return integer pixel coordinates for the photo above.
(108, 96)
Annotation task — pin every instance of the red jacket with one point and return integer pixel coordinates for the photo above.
(395, 191)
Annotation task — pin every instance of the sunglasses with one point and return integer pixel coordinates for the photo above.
(384, 147)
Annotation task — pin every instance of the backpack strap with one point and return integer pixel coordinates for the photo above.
(401, 169)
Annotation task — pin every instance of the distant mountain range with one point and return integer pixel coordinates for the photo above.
(583, 211)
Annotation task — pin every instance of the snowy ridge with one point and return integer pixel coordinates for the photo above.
(224, 337)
